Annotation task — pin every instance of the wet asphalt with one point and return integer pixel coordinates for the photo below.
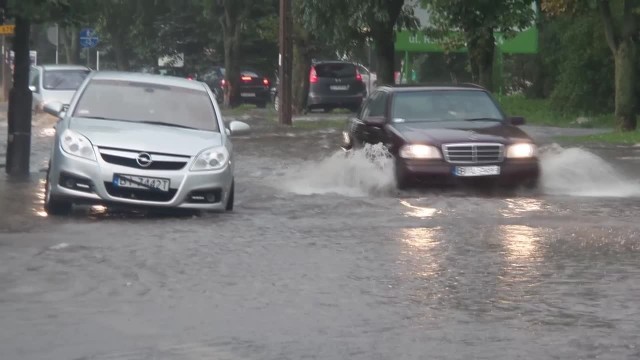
(323, 259)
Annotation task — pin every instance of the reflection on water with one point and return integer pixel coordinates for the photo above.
(422, 249)
(38, 200)
(520, 207)
(521, 242)
(418, 211)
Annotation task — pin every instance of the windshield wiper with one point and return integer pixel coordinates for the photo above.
(484, 119)
(165, 124)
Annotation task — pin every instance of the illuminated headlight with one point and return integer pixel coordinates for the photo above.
(75, 144)
(211, 159)
(420, 152)
(521, 151)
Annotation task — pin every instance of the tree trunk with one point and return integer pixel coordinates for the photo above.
(301, 67)
(20, 98)
(231, 39)
(385, 54)
(70, 38)
(625, 78)
(622, 43)
(122, 56)
(232, 70)
(482, 48)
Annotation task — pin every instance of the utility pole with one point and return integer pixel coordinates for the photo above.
(20, 97)
(285, 62)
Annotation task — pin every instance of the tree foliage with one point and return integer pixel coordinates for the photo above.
(621, 21)
(347, 24)
(474, 24)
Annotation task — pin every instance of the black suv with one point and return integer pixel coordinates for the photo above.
(332, 85)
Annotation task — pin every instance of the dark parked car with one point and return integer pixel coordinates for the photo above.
(253, 87)
(445, 135)
(332, 85)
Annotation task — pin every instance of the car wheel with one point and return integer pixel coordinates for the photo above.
(52, 205)
(531, 184)
(229, 206)
(276, 103)
(261, 105)
(403, 180)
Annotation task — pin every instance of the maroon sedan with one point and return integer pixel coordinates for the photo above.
(449, 134)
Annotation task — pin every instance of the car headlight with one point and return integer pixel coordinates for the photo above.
(420, 152)
(521, 151)
(77, 145)
(211, 159)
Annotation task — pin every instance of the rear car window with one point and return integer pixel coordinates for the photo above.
(64, 79)
(335, 70)
(249, 73)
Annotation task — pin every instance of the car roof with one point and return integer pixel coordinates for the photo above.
(63, 67)
(148, 78)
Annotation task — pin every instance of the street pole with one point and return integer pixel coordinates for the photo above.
(97, 60)
(285, 62)
(57, 43)
(20, 97)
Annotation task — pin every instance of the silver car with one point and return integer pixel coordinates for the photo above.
(55, 83)
(142, 140)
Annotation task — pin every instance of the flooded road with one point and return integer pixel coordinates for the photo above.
(324, 259)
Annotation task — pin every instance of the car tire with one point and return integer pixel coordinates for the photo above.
(261, 105)
(403, 180)
(229, 205)
(52, 205)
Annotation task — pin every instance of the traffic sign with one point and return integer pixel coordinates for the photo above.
(88, 38)
(7, 29)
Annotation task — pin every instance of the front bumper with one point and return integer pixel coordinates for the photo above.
(439, 172)
(95, 184)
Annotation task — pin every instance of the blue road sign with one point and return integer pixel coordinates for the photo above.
(88, 38)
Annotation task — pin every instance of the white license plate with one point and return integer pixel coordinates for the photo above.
(476, 170)
(339, 87)
(141, 182)
(248, 94)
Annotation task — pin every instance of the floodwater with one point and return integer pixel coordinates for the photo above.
(324, 259)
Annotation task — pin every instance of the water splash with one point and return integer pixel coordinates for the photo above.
(578, 172)
(358, 173)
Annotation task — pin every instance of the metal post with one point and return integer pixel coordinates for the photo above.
(20, 97)
(285, 62)
(97, 60)
(57, 43)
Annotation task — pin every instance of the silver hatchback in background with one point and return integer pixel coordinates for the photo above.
(141, 140)
(55, 83)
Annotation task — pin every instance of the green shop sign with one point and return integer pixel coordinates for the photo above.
(524, 42)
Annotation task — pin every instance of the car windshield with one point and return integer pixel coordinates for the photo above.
(147, 102)
(444, 105)
(63, 79)
(336, 70)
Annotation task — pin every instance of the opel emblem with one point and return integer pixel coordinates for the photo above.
(144, 160)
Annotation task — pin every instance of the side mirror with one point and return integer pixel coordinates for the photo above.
(517, 120)
(32, 88)
(377, 121)
(53, 108)
(238, 128)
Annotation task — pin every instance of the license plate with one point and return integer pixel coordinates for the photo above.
(141, 182)
(248, 94)
(476, 170)
(339, 87)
